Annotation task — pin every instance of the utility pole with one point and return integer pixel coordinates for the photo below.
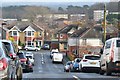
(104, 23)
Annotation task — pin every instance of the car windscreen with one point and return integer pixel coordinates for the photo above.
(92, 57)
(118, 43)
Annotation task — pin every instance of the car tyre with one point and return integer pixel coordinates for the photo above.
(36, 50)
(101, 72)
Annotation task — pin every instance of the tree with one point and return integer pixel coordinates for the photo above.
(60, 9)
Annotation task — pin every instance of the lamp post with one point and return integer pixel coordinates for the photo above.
(2, 28)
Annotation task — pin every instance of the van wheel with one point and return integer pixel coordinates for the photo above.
(108, 72)
(101, 72)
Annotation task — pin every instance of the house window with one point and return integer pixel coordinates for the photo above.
(14, 33)
(40, 34)
(29, 33)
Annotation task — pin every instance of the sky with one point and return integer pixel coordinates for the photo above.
(55, 0)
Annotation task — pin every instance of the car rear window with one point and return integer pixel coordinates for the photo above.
(92, 57)
(7, 45)
(21, 56)
(118, 43)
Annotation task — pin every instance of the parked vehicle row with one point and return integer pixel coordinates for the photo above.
(10, 66)
(108, 62)
(87, 63)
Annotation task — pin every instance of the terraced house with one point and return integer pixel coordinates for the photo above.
(25, 33)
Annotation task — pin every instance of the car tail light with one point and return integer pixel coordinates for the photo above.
(84, 60)
(12, 55)
(3, 64)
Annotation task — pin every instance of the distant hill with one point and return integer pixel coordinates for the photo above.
(48, 4)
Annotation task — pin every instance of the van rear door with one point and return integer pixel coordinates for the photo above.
(117, 51)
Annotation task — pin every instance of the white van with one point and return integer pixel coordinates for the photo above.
(57, 57)
(110, 58)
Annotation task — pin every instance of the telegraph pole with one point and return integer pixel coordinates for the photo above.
(104, 23)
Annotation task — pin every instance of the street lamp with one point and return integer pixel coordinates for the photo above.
(2, 28)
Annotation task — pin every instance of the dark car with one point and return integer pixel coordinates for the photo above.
(68, 66)
(25, 62)
(46, 47)
(12, 53)
(7, 71)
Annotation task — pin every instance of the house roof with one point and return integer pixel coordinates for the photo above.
(67, 28)
(85, 32)
(23, 25)
(80, 32)
(94, 32)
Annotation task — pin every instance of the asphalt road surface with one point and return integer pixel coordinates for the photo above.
(44, 69)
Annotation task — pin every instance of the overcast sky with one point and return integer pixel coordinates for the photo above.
(55, 0)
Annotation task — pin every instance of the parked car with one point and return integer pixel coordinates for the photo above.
(6, 64)
(68, 66)
(53, 51)
(26, 65)
(110, 57)
(32, 48)
(75, 63)
(30, 55)
(46, 47)
(90, 62)
(12, 51)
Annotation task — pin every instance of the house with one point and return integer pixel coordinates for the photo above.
(63, 35)
(26, 33)
(84, 40)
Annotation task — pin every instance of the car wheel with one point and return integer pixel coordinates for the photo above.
(36, 50)
(101, 72)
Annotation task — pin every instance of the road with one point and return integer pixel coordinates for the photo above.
(44, 69)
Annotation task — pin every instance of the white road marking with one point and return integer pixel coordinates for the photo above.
(76, 78)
